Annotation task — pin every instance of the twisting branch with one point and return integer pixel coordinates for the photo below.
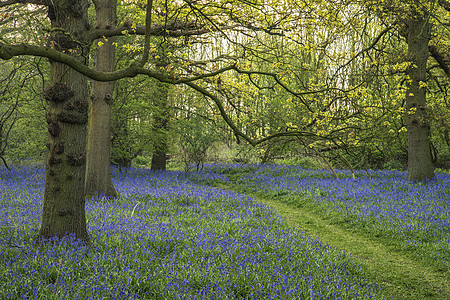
(238, 133)
(371, 46)
(9, 51)
(172, 30)
(222, 111)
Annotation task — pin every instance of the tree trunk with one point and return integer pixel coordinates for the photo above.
(1, 140)
(161, 121)
(64, 205)
(420, 166)
(159, 161)
(122, 156)
(98, 169)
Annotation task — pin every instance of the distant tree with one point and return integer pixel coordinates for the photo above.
(196, 134)
(160, 126)
(9, 103)
(21, 109)
(133, 120)
(161, 115)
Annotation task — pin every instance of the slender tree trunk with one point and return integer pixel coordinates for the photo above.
(64, 206)
(420, 166)
(1, 140)
(121, 156)
(161, 121)
(98, 169)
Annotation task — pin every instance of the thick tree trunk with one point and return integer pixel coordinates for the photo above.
(98, 169)
(420, 166)
(161, 121)
(64, 205)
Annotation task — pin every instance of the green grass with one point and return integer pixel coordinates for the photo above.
(399, 274)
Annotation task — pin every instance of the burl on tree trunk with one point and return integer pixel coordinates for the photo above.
(64, 204)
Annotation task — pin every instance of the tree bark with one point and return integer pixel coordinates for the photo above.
(420, 166)
(98, 168)
(64, 204)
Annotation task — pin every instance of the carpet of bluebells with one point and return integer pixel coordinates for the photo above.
(170, 236)
(414, 216)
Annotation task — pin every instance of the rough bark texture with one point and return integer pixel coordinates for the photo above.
(159, 158)
(98, 169)
(420, 166)
(64, 204)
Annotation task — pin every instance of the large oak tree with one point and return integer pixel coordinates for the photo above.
(64, 204)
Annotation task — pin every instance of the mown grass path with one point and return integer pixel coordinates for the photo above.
(400, 276)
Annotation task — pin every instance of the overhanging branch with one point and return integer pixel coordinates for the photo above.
(238, 133)
(11, 2)
(174, 29)
(9, 51)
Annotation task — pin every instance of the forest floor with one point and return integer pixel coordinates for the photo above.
(303, 235)
(399, 275)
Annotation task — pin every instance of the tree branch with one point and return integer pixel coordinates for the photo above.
(238, 133)
(9, 51)
(440, 59)
(11, 2)
(174, 29)
(222, 111)
(371, 46)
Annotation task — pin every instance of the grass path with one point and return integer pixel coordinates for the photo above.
(400, 276)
